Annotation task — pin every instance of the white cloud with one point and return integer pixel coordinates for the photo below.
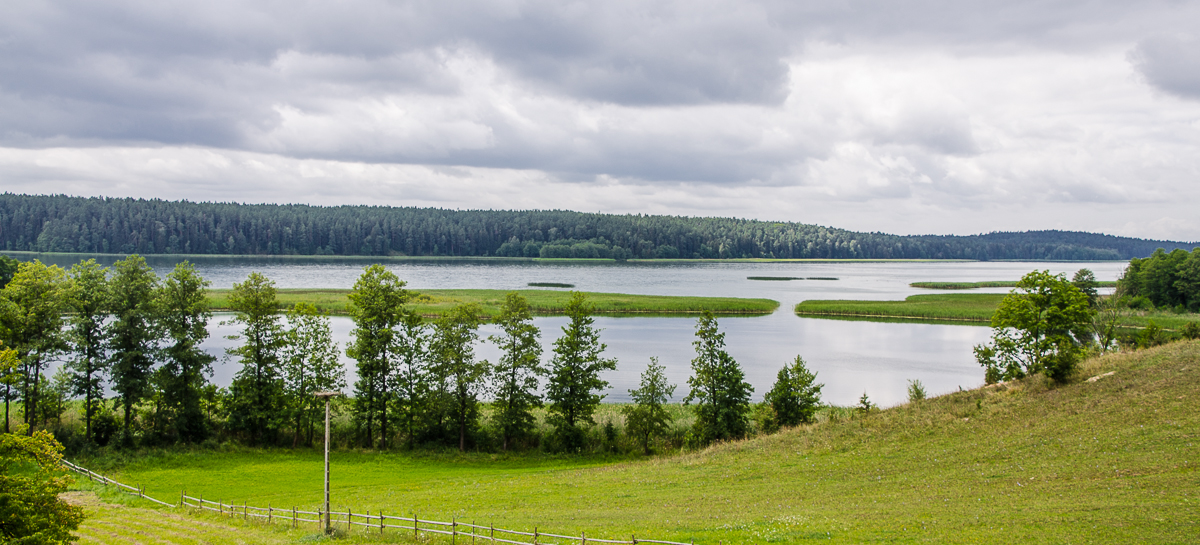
(907, 117)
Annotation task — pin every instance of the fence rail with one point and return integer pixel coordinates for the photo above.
(350, 519)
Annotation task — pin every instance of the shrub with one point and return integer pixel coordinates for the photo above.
(916, 391)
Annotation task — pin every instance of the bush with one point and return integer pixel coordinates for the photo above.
(916, 391)
(1191, 331)
(30, 481)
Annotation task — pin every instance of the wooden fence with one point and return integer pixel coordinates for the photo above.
(367, 521)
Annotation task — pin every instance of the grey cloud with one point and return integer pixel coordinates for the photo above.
(1170, 63)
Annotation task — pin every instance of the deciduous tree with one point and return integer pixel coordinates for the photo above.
(454, 336)
(31, 478)
(377, 305)
(516, 374)
(37, 298)
(183, 316)
(1039, 327)
(574, 380)
(310, 365)
(89, 305)
(256, 407)
(133, 334)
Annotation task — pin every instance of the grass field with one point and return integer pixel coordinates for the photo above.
(543, 302)
(988, 284)
(961, 307)
(1107, 461)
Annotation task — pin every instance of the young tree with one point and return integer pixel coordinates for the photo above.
(1085, 281)
(718, 387)
(8, 268)
(310, 365)
(184, 314)
(411, 381)
(31, 479)
(575, 373)
(516, 375)
(916, 391)
(133, 334)
(795, 395)
(256, 392)
(646, 418)
(1039, 327)
(453, 336)
(37, 298)
(377, 305)
(89, 305)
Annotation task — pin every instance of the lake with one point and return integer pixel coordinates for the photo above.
(850, 357)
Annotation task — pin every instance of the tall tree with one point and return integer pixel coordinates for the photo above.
(718, 386)
(647, 418)
(31, 479)
(256, 392)
(89, 305)
(310, 365)
(795, 396)
(516, 374)
(133, 334)
(454, 336)
(38, 296)
(411, 380)
(1038, 327)
(575, 373)
(377, 305)
(184, 316)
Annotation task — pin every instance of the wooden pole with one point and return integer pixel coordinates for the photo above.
(328, 523)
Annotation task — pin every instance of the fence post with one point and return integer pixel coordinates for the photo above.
(535, 535)
(453, 530)
(268, 512)
(414, 525)
(246, 510)
(293, 516)
(492, 531)
(633, 537)
(182, 493)
(582, 537)
(349, 523)
(473, 528)
(381, 522)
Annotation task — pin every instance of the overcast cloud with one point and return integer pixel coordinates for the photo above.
(904, 117)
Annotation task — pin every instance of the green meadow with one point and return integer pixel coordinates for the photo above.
(1108, 460)
(542, 302)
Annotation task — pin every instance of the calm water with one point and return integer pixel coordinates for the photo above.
(850, 357)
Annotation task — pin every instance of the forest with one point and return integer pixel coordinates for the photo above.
(59, 223)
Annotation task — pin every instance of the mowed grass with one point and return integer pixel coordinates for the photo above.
(542, 302)
(1108, 461)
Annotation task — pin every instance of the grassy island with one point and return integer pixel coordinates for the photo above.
(986, 284)
(543, 302)
(1109, 457)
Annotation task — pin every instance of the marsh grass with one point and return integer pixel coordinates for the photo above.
(433, 303)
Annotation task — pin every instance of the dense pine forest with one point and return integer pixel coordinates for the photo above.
(60, 223)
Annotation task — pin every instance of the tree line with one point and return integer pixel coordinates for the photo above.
(1163, 280)
(122, 329)
(58, 223)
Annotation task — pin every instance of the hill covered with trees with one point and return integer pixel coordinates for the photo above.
(59, 223)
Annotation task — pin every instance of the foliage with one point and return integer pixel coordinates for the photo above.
(1166, 279)
(1085, 281)
(309, 365)
(454, 335)
(795, 396)
(31, 513)
(1151, 335)
(646, 419)
(89, 305)
(183, 316)
(8, 268)
(34, 303)
(1191, 331)
(133, 334)
(113, 225)
(972, 307)
(515, 375)
(377, 305)
(916, 391)
(1038, 327)
(411, 382)
(574, 377)
(718, 387)
(256, 405)
(865, 406)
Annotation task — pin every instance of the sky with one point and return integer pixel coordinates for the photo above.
(906, 117)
